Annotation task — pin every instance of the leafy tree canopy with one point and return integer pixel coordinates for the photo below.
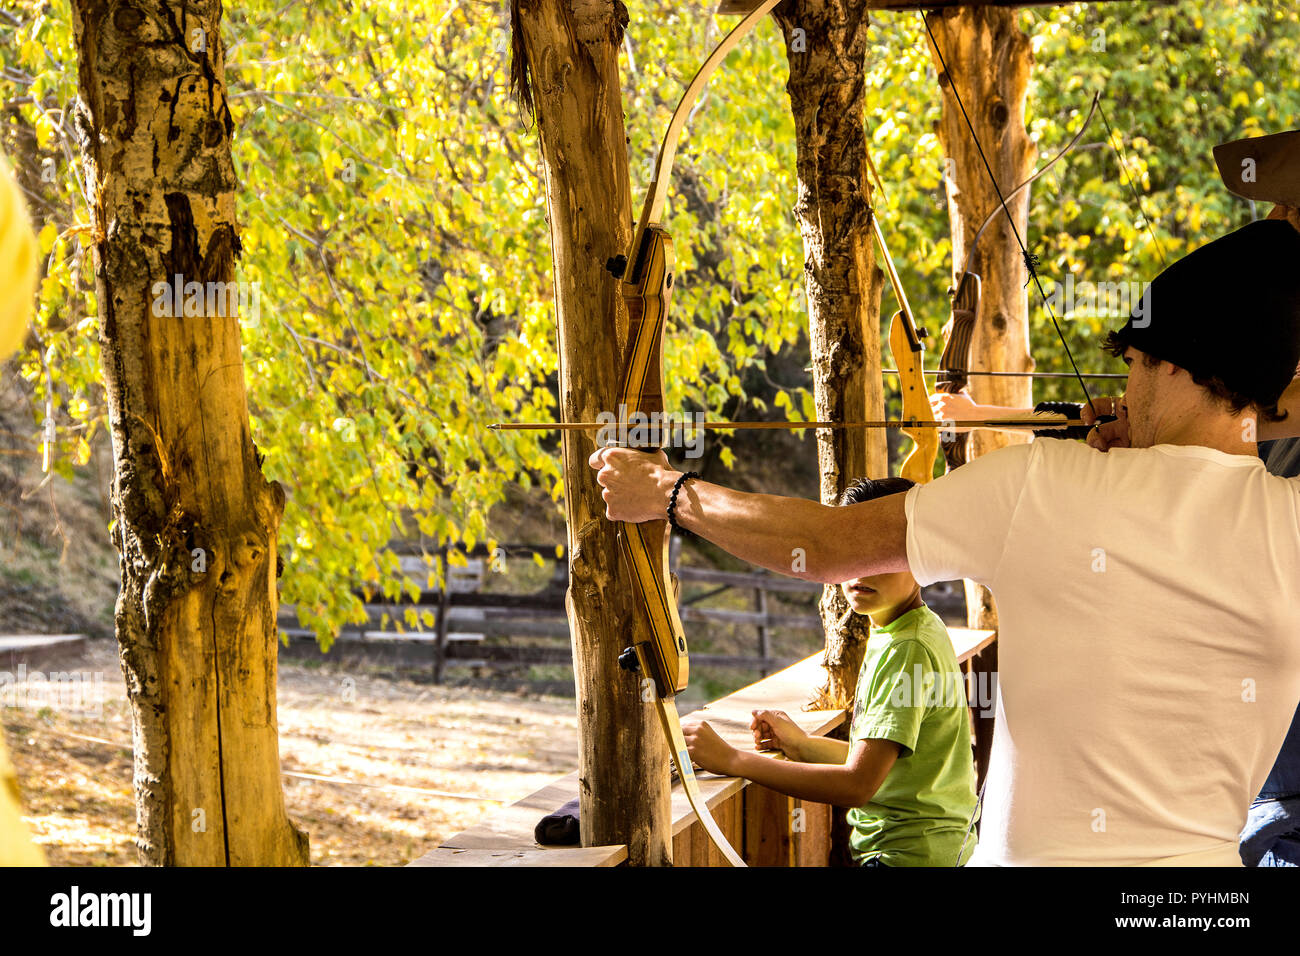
(393, 220)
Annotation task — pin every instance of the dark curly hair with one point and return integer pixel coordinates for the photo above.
(1116, 343)
(867, 489)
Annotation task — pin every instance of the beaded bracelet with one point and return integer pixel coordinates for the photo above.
(672, 502)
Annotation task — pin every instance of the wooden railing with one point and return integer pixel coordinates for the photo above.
(468, 624)
(494, 632)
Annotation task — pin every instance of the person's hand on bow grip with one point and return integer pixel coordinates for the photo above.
(636, 485)
(1108, 435)
(955, 407)
(774, 730)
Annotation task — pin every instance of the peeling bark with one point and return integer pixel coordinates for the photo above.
(566, 64)
(826, 46)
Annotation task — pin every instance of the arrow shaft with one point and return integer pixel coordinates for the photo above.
(1070, 375)
(1052, 421)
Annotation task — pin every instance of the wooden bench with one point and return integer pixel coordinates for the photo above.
(768, 828)
(38, 650)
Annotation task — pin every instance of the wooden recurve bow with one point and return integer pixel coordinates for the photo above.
(908, 350)
(909, 358)
(1030, 260)
(954, 363)
(647, 280)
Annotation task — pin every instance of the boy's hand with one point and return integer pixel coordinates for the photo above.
(774, 730)
(709, 750)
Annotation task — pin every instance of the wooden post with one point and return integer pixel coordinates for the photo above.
(990, 60)
(566, 67)
(444, 605)
(195, 520)
(760, 605)
(826, 47)
(984, 673)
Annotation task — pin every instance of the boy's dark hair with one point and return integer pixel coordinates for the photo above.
(867, 489)
(1117, 343)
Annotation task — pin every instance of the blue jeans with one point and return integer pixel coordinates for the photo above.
(1272, 834)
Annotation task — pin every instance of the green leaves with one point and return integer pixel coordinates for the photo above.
(393, 215)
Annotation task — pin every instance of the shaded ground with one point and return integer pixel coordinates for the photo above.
(75, 764)
(59, 574)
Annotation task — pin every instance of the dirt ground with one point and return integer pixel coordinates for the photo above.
(382, 735)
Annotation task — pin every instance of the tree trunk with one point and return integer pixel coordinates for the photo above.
(826, 46)
(990, 61)
(566, 64)
(194, 519)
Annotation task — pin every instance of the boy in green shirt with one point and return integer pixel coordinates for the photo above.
(907, 768)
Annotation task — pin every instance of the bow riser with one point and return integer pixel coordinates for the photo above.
(954, 363)
(909, 355)
(647, 292)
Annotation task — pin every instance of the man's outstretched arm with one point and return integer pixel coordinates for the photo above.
(792, 536)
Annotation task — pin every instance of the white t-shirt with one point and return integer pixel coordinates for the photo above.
(1148, 648)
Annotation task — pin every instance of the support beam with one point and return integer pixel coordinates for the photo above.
(741, 7)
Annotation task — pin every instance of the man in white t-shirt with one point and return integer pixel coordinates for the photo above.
(1148, 597)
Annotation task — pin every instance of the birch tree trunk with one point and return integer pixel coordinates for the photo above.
(566, 68)
(194, 520)
(826, 46)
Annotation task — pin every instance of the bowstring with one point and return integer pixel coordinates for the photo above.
(1031, 261)
(1121, 159)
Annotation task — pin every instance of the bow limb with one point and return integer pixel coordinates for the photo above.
(1074, 141)
(658, 193)
(647, 289)
(909, 358)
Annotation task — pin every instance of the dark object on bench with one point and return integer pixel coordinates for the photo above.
(559, 828)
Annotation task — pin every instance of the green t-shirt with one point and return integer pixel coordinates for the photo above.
(910, 691)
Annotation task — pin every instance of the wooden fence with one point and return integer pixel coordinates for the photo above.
(469, 627)
(472, 627)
